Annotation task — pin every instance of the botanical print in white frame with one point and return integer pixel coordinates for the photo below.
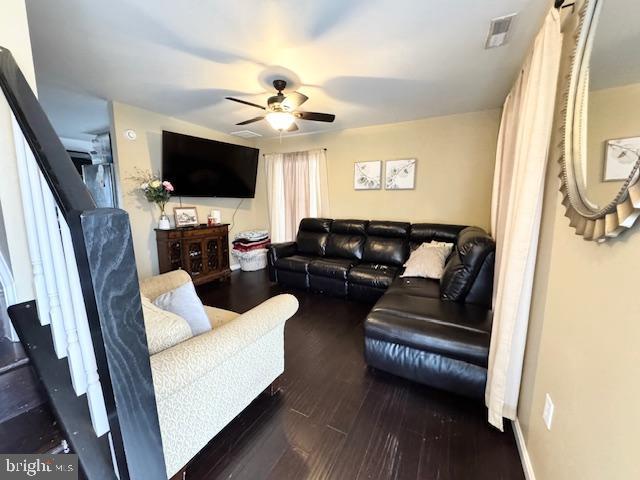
(400, 174)
(621, 155)
(367, 175)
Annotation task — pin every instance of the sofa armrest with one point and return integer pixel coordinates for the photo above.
(155, 286)
(189, 361)
(276, 251)
(281, 250)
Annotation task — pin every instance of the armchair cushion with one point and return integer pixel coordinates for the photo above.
(184, 301)
(164, 329)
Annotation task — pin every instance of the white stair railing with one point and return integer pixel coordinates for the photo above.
(74, 355)
(57, 282)
(94, 390)
(42, 300)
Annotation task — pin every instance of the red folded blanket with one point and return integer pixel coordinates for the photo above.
(247, 248)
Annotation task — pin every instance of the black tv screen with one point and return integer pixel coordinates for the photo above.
(198, 167)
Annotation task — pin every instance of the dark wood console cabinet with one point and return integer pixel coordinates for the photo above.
(203, 252)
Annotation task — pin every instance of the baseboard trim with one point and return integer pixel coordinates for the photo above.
(527, 466)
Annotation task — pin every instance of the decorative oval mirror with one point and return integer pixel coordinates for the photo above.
(601, 121)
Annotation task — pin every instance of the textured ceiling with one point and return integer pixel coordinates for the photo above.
(367, 61)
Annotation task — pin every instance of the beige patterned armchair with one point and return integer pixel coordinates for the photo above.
(202, 383)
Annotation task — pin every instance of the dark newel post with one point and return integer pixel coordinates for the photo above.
(109, 247)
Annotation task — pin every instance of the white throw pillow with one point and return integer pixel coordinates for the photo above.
(164, 329)
(184, 301)
(428, 260)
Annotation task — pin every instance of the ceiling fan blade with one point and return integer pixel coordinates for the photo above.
(293, 100)
(255, 119)
(315, 116)
(293, 127)
(245, 102)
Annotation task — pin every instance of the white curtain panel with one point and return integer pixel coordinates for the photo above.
(296, 188)
(523, 144)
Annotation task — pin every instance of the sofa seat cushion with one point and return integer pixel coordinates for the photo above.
(420, 287)
(219, 316)
(462, 332)
(373, 275)
(295, 263)
(331, 267)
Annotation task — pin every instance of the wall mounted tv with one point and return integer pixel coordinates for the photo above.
(198, 167)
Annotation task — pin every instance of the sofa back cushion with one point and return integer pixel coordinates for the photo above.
(433, 232)
(346, 239)
(313, 235)
(387, 243)
(470, 268)
(377, 228)
(345, 246)
(351, 227)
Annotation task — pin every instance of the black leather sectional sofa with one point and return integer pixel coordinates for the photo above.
(433, 332)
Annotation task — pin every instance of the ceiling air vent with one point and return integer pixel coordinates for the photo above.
(246, 134)
(499, 31)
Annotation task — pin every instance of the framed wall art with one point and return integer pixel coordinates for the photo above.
(400, 174)
(367, 175)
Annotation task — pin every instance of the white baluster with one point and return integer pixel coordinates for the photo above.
(95, 397)
(42, 300)
(55, 310)
(74, 354)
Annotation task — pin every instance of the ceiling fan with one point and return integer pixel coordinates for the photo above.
(282, 110)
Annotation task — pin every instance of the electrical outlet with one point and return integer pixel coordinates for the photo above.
(547, 413)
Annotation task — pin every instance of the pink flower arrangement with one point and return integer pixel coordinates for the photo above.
(154, 189)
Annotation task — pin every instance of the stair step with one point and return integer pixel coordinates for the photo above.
(34, 431)
(71, 411)
(20, 391)
(12, 355)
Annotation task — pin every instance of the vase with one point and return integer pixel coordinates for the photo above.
(163, 222)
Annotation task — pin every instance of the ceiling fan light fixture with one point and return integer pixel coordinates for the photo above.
(280, 121)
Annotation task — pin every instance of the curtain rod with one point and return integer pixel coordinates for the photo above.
(286, 152)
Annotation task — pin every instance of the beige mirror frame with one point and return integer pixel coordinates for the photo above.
(591, 222)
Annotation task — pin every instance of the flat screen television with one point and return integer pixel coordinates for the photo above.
(198, 167)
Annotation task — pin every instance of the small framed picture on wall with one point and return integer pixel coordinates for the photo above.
(367, 175)
(400, 174)
(185, 216)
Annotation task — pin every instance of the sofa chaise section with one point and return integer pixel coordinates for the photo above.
(435, 332)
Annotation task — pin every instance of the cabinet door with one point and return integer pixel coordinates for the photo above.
(194, 257)
(224, 252)
(213, 255)
(175, 254)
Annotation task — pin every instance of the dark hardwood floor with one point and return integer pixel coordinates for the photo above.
(336, 419)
